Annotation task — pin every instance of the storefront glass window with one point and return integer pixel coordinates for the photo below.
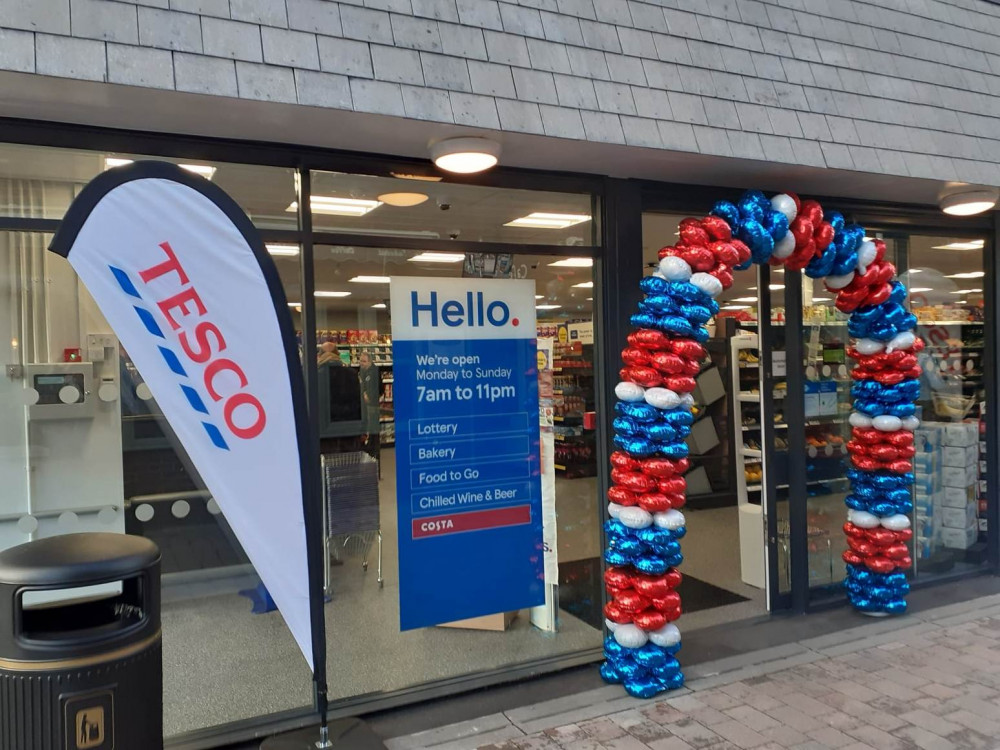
(116, 466)
(423, 209)
(945, 277)
(40, 183)
(356, 379)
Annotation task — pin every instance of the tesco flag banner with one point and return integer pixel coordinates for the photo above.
(185, 282)
(468, 490)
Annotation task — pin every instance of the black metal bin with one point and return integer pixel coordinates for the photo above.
(81, 669)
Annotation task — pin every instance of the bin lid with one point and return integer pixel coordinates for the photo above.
(76, 559)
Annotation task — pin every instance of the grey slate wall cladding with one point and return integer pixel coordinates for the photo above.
(903, 87)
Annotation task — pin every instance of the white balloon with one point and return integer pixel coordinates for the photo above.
(687, 400)
(674, 268)
(662, 398)
(707, 283)
(839, 282)
(671, 519)
(611, 625)
(630, 636)
(635, 517)
(897, 522)
(863, 519)
(785, 204)
(659, 275)
(614, 509)
(668, 635)
(630, 391)
(911, 423)
(868, 346)
(887, 423)
(901, 341)
(857, 419)
(785, 246)
(866, 255)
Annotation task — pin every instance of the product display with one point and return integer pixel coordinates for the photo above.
(653, 417)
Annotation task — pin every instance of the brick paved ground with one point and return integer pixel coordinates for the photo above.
(933, 687)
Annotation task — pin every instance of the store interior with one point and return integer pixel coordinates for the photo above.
(224, 663)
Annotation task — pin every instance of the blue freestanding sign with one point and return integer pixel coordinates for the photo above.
(468, 487)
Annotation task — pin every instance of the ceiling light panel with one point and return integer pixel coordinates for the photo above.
(284, 251)
(573, 263)
(437, 258)
(335, 206)
(542, 220)
(370, 279)
(322, 293)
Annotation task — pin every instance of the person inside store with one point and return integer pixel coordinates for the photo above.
(370, 391)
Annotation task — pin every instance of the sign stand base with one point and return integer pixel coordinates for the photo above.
(345, 734)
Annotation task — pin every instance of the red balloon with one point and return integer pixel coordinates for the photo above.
(886, 271)
(631, 601)
(644, 376)
(879, 295)
(649, 338)
(865, 463)
(665, 362)
(687, 348)
(680, 384)
(633, 480)
(622, 496)
(812, 211)
(622, 460)
(616, 614)
(823, 235)
(724, 275)
(649, 620)
(663, 252)
(677, 500)
(673, 577)
(674, 485)
(896, 551)
(890, 378)
(904, 535)
(691, 368)
(862, 548)
(904, 562)
(652, 586)
(854, 531)
(880, 564)
(699, 258)
(879, 250)
(634, 356)
(694, 236)
(671, 600)
(884, 452)
(661, 468)
(655, 502)
(802, 230)
(725, 253)
(742, 250)
(881, 537)
(900, 466)
(618, 577)
(717, 228)
(851, 557)
(918, 345)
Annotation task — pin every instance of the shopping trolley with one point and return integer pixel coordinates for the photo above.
(350, 510)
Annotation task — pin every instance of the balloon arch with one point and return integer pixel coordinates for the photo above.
(653, 417)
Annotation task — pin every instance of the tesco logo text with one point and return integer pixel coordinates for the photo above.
(204, 344)
(475, 312)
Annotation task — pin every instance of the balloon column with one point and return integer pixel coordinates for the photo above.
(653, 417)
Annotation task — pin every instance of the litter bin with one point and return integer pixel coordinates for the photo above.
(80, 657)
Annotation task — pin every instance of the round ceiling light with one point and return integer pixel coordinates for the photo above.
(465, 155)
(968, 202)
(402, 200)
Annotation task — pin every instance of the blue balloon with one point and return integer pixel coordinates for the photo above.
(610, 674)
(727, 211)
(639, 411)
